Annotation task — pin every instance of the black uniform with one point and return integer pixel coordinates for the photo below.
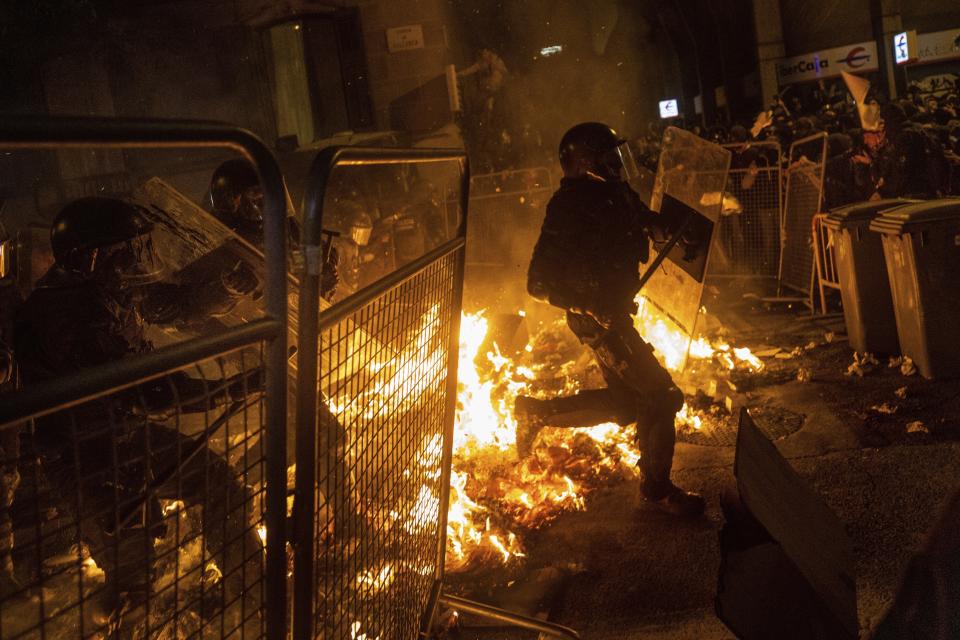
(586, 261)
(108, 452)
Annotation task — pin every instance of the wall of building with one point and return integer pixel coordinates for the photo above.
(926, 16)
(821, 24)
(395, 74)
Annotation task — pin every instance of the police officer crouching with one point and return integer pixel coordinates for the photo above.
(586, 261)
(109, 455)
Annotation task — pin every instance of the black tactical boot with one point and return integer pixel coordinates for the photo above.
(673, 500)
(529, 413)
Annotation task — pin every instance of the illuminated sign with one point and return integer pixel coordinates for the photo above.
(546, 52)
(901, 49)
(854, 58)
(669, 108)
(905, 47)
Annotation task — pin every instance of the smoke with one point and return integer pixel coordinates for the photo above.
(607, 64)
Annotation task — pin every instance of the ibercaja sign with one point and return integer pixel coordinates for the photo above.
(854, 58)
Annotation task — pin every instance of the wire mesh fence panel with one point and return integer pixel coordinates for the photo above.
(804, 195)
(380, 452)
(507, 209)
(373, 457)
(151, 361)
(139, 514)
(748, 236)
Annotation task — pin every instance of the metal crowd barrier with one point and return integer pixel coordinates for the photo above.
(173, 508)
(803, 199)
(505, 206)
(375, 412)
(748, 242)
(825, 259)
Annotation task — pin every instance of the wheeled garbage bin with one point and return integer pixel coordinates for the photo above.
(921, 244)
(864, 286)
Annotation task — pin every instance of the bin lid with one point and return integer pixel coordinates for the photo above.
(911, 216)
(862, 211)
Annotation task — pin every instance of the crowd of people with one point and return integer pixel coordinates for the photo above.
(913, 150)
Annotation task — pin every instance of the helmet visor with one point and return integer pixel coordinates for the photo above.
(617, 164)
(360, 233)
(131, 263)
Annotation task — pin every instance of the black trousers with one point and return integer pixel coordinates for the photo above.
(638, 390)
(111, 469)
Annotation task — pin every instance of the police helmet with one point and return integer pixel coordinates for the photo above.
(596, 150)
(106, 237)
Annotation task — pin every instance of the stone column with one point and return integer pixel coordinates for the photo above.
(766, 18)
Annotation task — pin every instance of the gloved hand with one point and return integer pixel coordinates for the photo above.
(610, 314)
(241, 280)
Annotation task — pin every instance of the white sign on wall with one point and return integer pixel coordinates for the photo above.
(854, 58)
(937, 46)
(405, 38)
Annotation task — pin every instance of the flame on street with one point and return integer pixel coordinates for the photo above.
(494, 496)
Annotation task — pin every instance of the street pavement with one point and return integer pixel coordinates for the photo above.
(633, 572)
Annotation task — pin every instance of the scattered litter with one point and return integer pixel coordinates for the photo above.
(901, 393)
(783, 355)
(712, 389)
(862, 364)
(829, 336)
(917, 427)
(728, 403)
(767, 353)
(797, 352)
(732, 386)
(804, 375)
(886, 408)
(907, 367)
(810, 345)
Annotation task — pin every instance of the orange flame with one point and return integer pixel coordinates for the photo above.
(491, 492)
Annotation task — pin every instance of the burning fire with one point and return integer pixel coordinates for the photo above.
(492, 494)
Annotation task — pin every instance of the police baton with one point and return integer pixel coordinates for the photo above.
(662, 255)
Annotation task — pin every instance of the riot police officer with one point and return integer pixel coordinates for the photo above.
(108, 454)
(236, 200)
(586, 261)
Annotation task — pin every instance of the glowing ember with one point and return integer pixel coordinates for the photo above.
(370, 581)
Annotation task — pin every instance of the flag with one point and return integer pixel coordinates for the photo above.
(869, 113)
(764, 120)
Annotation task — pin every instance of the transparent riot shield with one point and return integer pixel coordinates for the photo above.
(691, 180)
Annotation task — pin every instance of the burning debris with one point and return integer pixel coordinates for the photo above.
(494, 498)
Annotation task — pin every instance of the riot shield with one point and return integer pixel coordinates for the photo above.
(691, 180)
(186, 237)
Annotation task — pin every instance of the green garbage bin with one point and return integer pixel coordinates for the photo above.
(921, 244)
(862, 271)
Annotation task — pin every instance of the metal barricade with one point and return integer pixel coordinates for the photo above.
(148, 493)
(748, 240)
(803, 199)
(375, 410)
(506, 211)
(826, 260)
